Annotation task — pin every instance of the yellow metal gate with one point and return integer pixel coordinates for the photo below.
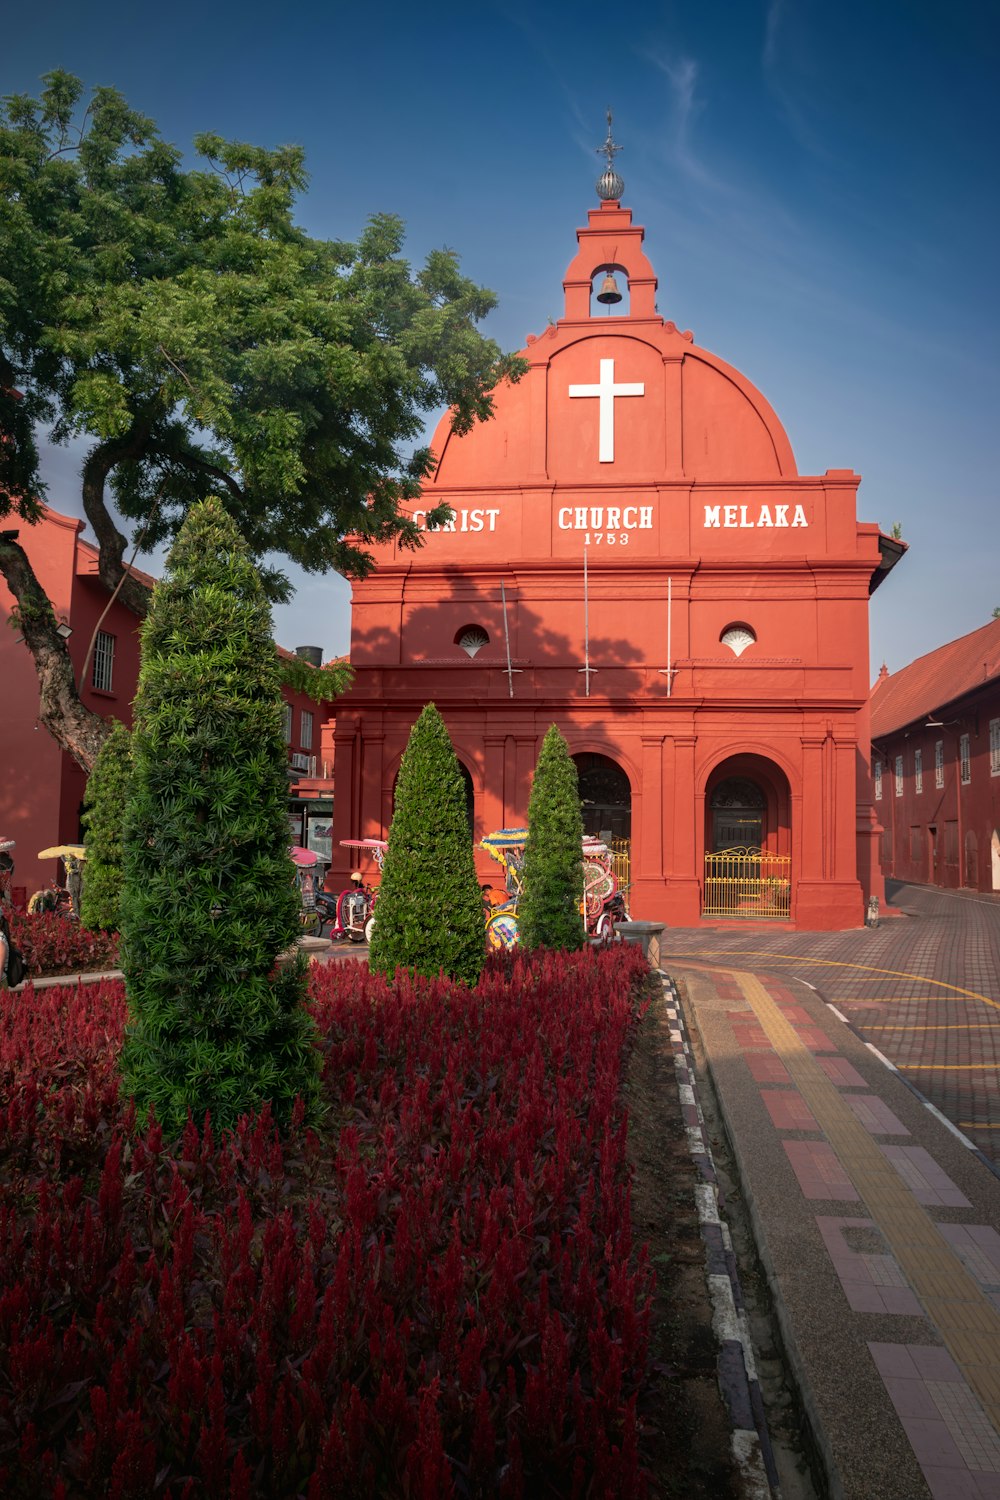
(747, 883)
(621, 861)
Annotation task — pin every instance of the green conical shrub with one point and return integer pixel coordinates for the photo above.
(207, 902)
(107, 793)
(429, 915)
(548, 909)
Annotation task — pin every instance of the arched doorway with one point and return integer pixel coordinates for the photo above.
(606, 807)
(748, 871)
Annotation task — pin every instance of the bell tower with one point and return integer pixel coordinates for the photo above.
(611, 244)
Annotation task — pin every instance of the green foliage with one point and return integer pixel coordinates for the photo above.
(183, 322)
(321, 684)
(208, 902)
(429, 915)
(549, 908)
(107, 794)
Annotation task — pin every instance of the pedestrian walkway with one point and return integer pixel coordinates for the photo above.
(876, 1223)
(924, 988)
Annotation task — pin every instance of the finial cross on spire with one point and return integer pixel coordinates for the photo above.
(609, 185)
(609, 149)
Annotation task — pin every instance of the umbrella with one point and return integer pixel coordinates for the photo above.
(63, 851)
(304, 858)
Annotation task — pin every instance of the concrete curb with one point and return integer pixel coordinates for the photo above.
(737, 1371)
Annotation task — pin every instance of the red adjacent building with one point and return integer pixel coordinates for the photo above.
(635, 557)
(936, 764)
(41, 786)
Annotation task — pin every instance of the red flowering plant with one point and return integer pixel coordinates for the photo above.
(53, 944)
(435, 1296)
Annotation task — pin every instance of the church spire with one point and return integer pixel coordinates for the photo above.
(609, 185)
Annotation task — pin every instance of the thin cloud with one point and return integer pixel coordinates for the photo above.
(780, 71)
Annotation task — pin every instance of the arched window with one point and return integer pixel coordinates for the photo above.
(738, 637)
(605, 796)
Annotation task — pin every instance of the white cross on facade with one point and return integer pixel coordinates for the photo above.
(606, 391)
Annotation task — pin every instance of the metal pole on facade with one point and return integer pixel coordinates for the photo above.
(668, 670)
(585, 669)
(506, 639)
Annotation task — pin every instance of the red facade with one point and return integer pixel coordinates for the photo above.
(634, 557)
(936, 763)
(42, 787)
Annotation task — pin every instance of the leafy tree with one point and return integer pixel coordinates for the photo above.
(429, 915)
(548, 910)
(202, 343)
(107, 794)
(208, 902)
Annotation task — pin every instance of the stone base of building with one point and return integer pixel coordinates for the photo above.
(828, 905)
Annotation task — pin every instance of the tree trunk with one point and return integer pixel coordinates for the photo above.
(60, 711)
(111, 544)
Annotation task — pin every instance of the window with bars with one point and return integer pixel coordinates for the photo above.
(918, 771)
(878, 781)
(964, 760)
(306, 736)
(899, 775)
(104, 662)
(288, 723)
(939, 763)
(995, 747)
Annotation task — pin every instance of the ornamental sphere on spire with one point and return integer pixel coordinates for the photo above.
(609, 185)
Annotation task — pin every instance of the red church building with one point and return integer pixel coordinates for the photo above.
(635, 557)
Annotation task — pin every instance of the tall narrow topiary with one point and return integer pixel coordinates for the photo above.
(429, 915)
(104, 810)
(208, 903)
(548, 909)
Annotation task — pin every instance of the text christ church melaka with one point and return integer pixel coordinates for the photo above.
(634, 557)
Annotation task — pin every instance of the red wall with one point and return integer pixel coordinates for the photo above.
(943, 835)
(702, 490)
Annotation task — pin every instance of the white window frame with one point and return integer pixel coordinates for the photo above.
(965, 760)
(103, 669)
(995, 747)
(918, 771)
(288, 723)
(306, 733)
(899, 775)
(877, 769)
(939, 764)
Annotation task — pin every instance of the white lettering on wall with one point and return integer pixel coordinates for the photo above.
(605, 518)
(747, 517)
(462, 520)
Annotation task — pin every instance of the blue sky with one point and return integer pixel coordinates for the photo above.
(817, 183)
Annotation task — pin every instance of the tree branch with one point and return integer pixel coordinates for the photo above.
(60, 709)
(111, 566)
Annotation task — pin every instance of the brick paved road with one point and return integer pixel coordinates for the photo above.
(923, 988)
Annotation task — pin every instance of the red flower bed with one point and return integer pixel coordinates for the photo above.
(54, 945)
(433, 1295)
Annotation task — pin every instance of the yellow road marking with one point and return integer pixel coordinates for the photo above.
(957, 1026)
(968, 1322)
(951, 1067)
(976, 1125)
(835, 963)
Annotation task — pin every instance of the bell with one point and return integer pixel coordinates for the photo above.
(609, 293)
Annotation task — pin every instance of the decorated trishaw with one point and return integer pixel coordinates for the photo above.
(309, 874)
(355, 918)
(603, 901)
